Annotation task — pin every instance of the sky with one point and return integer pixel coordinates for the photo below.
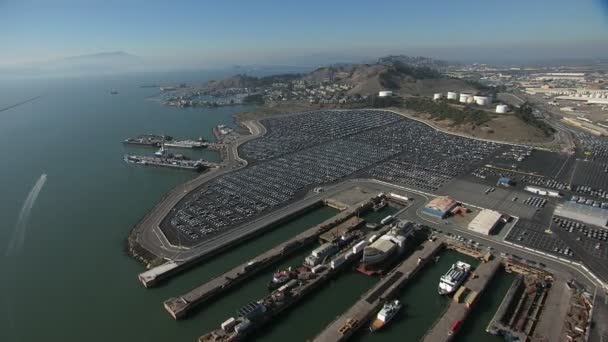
(270, 31)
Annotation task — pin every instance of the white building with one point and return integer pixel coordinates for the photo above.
(452, 95)
(437, 96)
(485, 221)
(385, 93)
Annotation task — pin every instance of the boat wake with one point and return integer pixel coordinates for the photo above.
(18, 238)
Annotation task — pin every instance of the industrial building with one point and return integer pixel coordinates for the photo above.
(452, 95)
(385, 93)
(485, 221)
(583, 213)
(437, 96)
(466, 98)
(439, 207)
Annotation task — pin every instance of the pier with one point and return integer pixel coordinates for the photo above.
(447, 326)
(178, 307)
(369, 304)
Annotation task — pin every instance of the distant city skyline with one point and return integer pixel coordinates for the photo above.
(221, 33)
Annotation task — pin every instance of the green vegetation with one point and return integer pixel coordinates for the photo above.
(442, 110)
(257, 99)
(376, 101)
(525, 114)
(398, 70)
(493, 90)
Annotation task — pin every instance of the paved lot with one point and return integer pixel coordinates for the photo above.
(500, 199)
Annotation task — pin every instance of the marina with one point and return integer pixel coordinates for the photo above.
(178, 307)
(361, 312)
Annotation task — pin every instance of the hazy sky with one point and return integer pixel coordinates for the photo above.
(240, 31)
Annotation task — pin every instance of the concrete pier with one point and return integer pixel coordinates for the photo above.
(447, 326)
(369, 304)
(179, 306)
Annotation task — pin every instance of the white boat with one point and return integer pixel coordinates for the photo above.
(389, 310)
(453, 278)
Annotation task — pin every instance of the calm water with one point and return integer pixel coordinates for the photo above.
(70, 279)
(65, 274)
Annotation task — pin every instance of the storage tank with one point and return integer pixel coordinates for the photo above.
(385, 93)
(470, 99)
(437, 96)
(464, 98)
(501, 108)
(452, 95)
(482, 100)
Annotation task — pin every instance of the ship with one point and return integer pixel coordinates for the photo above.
(386, 314)
(453, 278)
(187, 144)
(393, 243)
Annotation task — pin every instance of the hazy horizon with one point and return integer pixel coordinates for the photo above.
(43, 36)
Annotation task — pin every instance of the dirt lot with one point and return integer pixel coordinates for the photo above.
(503, 128)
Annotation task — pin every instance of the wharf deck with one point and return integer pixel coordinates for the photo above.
(446, 327)
(362, 311)
(179, 306)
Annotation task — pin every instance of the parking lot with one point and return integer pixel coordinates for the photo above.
(535, 236)
(593, 240)
(427, 159)
(292, 133)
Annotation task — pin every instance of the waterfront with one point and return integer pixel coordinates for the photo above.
(72, 281)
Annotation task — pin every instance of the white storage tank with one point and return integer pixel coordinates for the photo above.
(482, 100)
(452, 95)
(464, 98)
(437, 96)
(385, 93)
(501, 108)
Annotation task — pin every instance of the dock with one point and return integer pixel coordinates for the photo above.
(369, 304)
(170, 162)
(446, 328)
(178, 307)
(148, 140)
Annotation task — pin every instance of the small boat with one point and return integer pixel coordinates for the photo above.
(389, 310)
(113, 92)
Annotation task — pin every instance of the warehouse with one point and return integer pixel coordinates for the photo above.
(439, 207)
(583, 213)
(485, 221)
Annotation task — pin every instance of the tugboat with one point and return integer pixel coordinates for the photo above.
(452, 279)
(281, 278)
(389, 310)
(161, 152)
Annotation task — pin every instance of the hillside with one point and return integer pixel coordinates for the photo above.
(421, 77)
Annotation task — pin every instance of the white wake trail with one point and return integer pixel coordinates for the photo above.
(18, 238)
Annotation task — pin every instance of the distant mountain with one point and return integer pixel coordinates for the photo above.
(91, 64)
(104, 55)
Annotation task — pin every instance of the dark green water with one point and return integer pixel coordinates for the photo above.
(474, 329)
